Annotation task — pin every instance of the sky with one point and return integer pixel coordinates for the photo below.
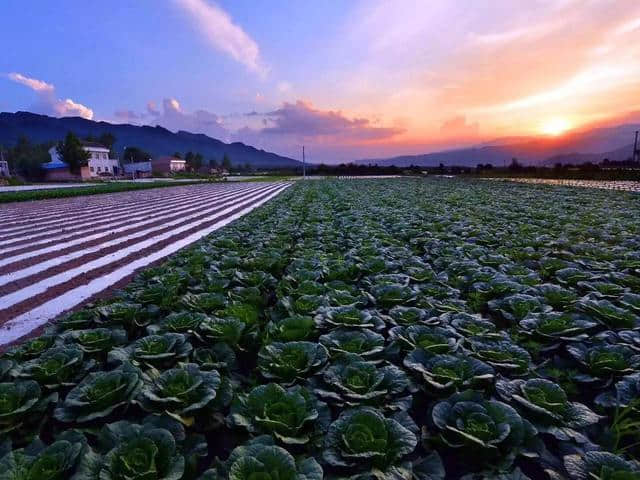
(349, 79)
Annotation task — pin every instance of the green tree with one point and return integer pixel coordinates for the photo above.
(189, 158)
(198, 161)
(226, 162)
(194, 161)
(26, 159)
(213, 163)
(135, 154)
(107, 139)
(72, 153)
(177, 155)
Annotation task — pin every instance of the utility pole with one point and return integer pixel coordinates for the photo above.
(304, 166)
(636, 152)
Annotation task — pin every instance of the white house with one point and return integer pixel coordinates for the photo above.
(168, 165)
(98, 164)
(4, 168)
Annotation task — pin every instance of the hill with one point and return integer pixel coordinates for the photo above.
(592, 145)
(155, 140)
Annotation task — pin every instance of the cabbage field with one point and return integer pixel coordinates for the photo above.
(354, 329)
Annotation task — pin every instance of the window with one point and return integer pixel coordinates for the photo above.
(91, 168)
(98, 168)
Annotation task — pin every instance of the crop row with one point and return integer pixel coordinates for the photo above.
(390, 329)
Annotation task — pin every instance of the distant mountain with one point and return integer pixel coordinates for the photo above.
(617, 155)
(591, 145)
(155, 140)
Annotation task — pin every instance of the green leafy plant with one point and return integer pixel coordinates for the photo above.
(131, 451)
(487, 430)
(601, 466)
(546, 405)
(185, 392)
(350, 381)
(154, 350)
(366, 442)
(261, 459)
(57, 367)
(292, 415)
(38, 461)
(442, 372)
(100, 394)
(363, 342)
(347, 317)
(291, 362)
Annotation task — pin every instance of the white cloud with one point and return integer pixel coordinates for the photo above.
(224, 35)
(47, 102)
(174, 117)
(152, 108)
(32, 83)
(69, 108)
(628, 27)
(529, 32)
(586, 82)
(284, 87)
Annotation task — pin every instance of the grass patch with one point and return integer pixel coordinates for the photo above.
(27, 195)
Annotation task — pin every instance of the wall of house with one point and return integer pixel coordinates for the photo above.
(98, 166)
(61, 175)
(177, 166)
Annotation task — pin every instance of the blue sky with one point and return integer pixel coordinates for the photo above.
(350, 79)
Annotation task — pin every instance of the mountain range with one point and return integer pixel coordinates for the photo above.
(156, 140)
(588, 145)
(591, 145)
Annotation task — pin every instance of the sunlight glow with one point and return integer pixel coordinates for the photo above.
(555, 126)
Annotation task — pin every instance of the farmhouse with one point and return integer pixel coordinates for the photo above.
(57, 170)
(168, 164)
(98, 164)
(138, 169)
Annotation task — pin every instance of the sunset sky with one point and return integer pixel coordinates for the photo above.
(349, 79)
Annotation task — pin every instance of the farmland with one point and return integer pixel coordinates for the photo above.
(43, 192)
(346, 329)
(57, 254)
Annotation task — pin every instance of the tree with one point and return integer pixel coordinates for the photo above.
(107, 139)
(213, 163)
(189, 159)
(134, 154)
(226, 162)
(177, 155)
(515, 165)
(196, 162)
(72, 153)
(26, 159)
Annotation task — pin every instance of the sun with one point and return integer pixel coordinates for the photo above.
(555, 127)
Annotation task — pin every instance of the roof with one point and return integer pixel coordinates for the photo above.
(92, 144)
(52, 165)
